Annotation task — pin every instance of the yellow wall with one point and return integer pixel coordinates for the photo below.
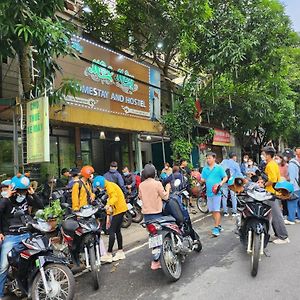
(89, 117)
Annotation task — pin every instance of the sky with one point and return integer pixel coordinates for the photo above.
(293, 10)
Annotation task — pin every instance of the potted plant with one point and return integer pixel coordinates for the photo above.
(52, 214)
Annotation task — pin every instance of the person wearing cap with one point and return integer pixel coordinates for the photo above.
(113, 175)
(232, 169)
(293, 174)
(214, 175)
(20, 196)
(65, 179)
(75, 175)
(273, 174)
(116, 207)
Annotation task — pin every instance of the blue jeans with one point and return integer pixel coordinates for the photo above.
(293, 208)
(8, 244)
(225, 198)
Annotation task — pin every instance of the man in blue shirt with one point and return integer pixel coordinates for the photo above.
(213, 175)
(232, 168)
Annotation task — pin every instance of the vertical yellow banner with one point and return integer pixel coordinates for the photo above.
(38, 139)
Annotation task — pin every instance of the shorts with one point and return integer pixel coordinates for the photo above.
(214, 203)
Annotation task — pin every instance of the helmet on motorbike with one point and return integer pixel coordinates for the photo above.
(20, 182)
(196, 175)
(149, 171)
(99, 182)
(216, 189)
(236, 184)
(87, 171)
(284, 190)
(163, 176)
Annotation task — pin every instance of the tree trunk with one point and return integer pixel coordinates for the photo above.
(24, 57)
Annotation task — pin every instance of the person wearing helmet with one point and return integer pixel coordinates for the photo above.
(232, 169)
(152, 194)
(273, 174)
(19, 197)
(214, 177)
(116, 207)
(82, 193)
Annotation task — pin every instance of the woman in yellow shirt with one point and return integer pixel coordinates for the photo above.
(116, 206)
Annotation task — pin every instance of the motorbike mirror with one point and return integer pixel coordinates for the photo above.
(177, 183)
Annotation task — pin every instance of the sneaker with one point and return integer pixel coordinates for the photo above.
(225, 214)
(155, 265)
(280, 242)
(287, 222)
(108, 258)
(297, 221)
(234, 214)
(215, 231)
(119, 256)
(221, 228)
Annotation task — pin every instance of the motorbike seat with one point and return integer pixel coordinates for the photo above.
(70, 225)
(165, 219)
(260, 195)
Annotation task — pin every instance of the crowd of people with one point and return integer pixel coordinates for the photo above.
(17, 194)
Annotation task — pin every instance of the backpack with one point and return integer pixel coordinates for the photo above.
(138, 181)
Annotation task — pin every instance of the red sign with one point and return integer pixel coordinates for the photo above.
(222, 138)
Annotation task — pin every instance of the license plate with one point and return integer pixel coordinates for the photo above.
(129, 206)
(139, 202)
(155, 241)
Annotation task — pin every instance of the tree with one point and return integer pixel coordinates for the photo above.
(31, 31)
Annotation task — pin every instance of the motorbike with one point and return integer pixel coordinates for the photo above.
(34, 270)
(81, 233)
(171, 240)
(253, 224)
(136, 208)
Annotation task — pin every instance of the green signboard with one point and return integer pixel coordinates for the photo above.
(38, 140)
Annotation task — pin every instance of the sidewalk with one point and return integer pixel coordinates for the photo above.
(136, 235)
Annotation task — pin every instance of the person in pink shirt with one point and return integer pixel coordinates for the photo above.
(152, 194)
(283, 166)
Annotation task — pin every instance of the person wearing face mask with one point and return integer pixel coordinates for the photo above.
(129, 181)
(5, 188)
(244, 164)
(82, 193)
(251, 168)
(283, 167)
(263, 163)
(18, 197)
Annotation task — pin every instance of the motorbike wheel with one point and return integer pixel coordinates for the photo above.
(127, 220)
(138, 218)
(202, 204)
(255, 255)
(60, 280)
(170, 262)
(94, 268)
(198, 246)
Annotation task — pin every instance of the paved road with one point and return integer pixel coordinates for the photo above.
(221, 271)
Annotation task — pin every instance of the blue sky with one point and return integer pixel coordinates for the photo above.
(293, 10)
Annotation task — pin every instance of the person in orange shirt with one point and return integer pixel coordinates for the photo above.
(273, 173)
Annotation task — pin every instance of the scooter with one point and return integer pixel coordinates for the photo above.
(170, 240)
(135, 208)
(35, 271)
(253, 224)
(81, 233)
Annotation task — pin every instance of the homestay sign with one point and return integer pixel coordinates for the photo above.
(222, 138)
(38, 140)
(108, 81)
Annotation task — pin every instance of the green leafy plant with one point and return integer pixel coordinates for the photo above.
(52, 211)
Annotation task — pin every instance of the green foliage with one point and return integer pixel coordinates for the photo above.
(52, 211)
(31, 30)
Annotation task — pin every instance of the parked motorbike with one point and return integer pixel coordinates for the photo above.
(136, 208)
(253, 224)
(171, 240)
(35, 271)
(81, 232)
